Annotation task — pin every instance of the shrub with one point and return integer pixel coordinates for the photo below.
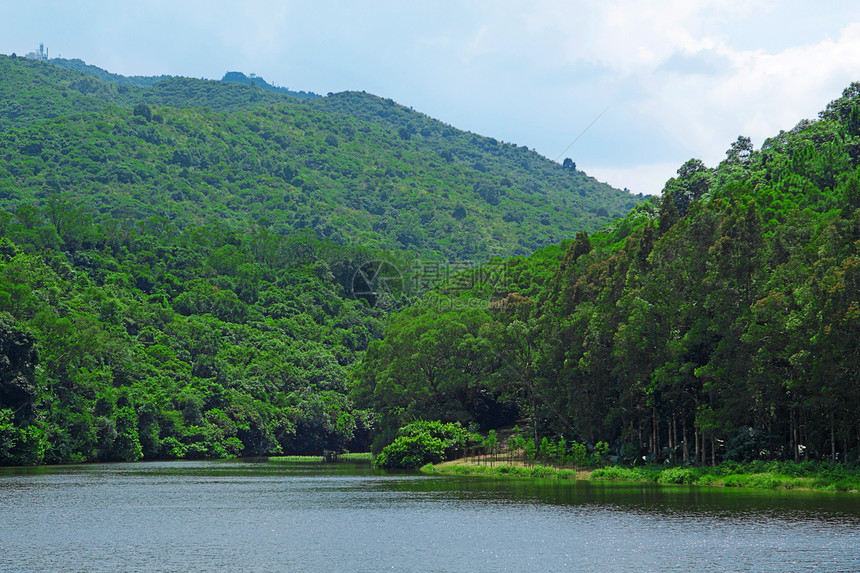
(412, 452)
(566, 474)
(420, 443)
(519, 471)
(542, 472)
(578, 454)
(616, 473)
(678, 475)
(709, 479)
(599, 455)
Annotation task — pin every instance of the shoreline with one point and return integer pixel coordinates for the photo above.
(785, 476)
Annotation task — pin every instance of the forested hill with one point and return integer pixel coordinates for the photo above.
(104, 75)
(177, 260)
(147, 81)
(718, 322)
(353, 168)
(257, 81)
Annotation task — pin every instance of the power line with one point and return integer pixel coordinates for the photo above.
(581, 133)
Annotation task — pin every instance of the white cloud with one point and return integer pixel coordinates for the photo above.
(630, 37)
(759, 95)
(682, 72)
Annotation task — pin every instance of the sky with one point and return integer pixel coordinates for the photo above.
(629, 90)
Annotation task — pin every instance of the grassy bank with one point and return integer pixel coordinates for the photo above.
(761, 475)
(360, 457)
(459, 467)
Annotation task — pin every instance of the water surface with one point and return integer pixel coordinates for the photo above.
(243, 516)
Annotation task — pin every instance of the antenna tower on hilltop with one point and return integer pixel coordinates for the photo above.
(41, 55)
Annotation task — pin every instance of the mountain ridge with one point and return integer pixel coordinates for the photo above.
(382, 171)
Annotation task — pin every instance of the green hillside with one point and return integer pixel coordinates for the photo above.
(104, 75)
(719, 322)
(178, 261)
(257, 81)
(354, 168)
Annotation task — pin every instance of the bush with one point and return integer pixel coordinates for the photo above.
(616, 473)
(519, 471)
(599, 455)
(412, 452)
(578, 454)
(678, 475)
(542, 472)
(22, 446)
(420, 443)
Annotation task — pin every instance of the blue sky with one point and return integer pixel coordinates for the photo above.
(674, 79)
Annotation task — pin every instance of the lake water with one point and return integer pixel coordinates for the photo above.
(243, 516)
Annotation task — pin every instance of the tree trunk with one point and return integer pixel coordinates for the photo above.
(857, 441)
(792, 433)
(673, 437)
(696, 436)
(651, 434)
(832, 439)
(686, 443)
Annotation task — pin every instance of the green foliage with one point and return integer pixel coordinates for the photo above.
(617, 473)
(177, 257)
(577, 454)
(679, 475)
(547, 449)
(719, 322)
(759, 475)
(175, 345)
(600, 454)
(542, 472)
(193, 150)
(821, 477)
(296, 459)
(412, 452)
(421, 443)
(20, 446)
(491, 442)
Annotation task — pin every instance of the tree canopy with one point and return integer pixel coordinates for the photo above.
(720, 321)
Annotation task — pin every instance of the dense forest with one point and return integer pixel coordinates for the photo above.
(178, 266)
(178, 257)
(352, 167)
(718, 322)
